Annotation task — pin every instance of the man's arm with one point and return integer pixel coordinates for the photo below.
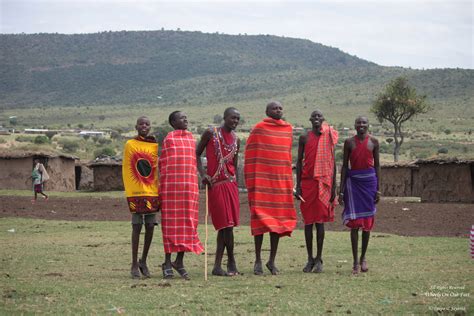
(206, 136)
(345, 167)
(299, 164)
(377, 167)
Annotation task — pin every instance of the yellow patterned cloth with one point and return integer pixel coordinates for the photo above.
(140, 175)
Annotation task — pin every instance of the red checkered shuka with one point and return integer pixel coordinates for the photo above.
(179, 193)
(324, 162)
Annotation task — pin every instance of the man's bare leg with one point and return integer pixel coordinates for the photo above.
(308, 236)
(136, 229)
(229, 244)
(365, 244)
(149, 229)
(257, 268)
(355, 243)
(274, 239)
(318, 261)
(217, 270)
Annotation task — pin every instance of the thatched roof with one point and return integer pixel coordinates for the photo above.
(12, 154)
(444, 161)
(430, 161)
(105, 161)
(410, 164)
(110, 163)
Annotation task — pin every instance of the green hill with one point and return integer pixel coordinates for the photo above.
(124, 67)
(171, 67)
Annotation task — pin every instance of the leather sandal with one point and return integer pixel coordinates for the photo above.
(167, 273)
(181, 271)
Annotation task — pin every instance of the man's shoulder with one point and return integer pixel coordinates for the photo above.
(374, 140)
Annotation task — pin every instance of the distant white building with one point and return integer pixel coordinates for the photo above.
(35, 130)
(91, 133)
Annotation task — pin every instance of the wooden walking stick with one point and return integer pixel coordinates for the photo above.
(205, 243)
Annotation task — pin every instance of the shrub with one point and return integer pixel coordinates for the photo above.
(160, 133)
(70, 146)
(385, 148)
(217, 119)
(50, 134)
(115, 135)
(106, 151)
(41, 139)
(447, 131)
(24, 139)
(104, 141)
(443, 150)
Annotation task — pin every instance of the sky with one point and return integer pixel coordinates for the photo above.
(420, 34)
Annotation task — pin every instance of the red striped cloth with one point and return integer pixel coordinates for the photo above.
(179, 193)
(269, 179)
(324, 163)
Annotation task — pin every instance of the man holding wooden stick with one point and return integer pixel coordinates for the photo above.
(222, 148)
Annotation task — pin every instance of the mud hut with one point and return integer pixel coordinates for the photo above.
(107, 175)
(84, 177)
(399, 179)
(446, 180)
(16, 167)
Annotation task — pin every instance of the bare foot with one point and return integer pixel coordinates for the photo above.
(257, 268)
(219, 272)
(274, 270)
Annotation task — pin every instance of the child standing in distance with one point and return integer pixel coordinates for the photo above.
(39, 176)
(140, 178)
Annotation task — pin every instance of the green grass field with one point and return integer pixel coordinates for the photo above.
(61, 267)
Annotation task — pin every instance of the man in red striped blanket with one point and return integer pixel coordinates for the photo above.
(179, 195)
(269, 181)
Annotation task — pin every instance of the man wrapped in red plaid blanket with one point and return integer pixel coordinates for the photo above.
(179, 195)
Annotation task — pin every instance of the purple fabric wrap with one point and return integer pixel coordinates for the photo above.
(359, 194)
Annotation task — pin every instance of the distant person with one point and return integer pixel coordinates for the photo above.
(39, 177)
(179, 195)
(316, 184)
(140, 179)
(222, 150)
(359, 191)
(269, 181)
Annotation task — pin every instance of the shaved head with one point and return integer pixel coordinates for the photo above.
(272, 103)
(362, 117)
(143, 117)
(230, 110)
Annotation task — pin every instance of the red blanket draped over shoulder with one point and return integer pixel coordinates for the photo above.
(269, 178)
(179, 193)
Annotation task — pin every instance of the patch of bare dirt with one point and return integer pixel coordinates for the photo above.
(394, 217)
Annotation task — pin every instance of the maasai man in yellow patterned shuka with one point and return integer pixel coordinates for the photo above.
(140, 178)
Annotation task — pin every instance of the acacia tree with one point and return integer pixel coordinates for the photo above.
(397, 104)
